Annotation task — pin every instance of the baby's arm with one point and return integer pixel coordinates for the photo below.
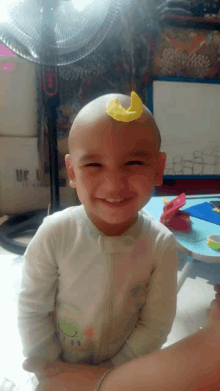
(44, 368)
(158, 312)
(36, 302)
(170, 365)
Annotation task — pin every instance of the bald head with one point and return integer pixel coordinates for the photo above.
(95, 112)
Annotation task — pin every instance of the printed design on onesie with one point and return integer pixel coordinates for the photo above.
(137, 294)
(89, 334)
(70, 333)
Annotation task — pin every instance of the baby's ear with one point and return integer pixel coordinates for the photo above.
(160, 167)
(70, 171)
(68, 160)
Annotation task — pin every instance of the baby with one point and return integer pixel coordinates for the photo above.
(99, 280)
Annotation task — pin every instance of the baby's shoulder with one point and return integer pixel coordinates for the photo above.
(155, 229)
(65, 218)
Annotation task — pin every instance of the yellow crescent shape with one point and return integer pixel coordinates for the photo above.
(119, 113)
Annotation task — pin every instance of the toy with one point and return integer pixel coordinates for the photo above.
(119, 113)
(216, 205)
(165, 201)
(205, 212)
(173, 218)
(213, 241)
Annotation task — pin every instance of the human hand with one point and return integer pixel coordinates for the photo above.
(214, 310)
(42, 367)
(76, 377)
(50, 368)
(63, 376)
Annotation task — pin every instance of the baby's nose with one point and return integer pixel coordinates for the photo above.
(114, 181)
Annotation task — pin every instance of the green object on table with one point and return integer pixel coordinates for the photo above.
(213, 241)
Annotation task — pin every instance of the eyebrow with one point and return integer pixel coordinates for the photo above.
(92, 156)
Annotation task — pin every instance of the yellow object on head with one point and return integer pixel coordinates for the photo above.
(119, 113)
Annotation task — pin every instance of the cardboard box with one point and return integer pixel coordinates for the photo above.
(20, 187)
(18, 106)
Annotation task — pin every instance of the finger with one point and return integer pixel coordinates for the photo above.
(29, 365)
(215, 307)
(212, 305)
(34, 364)
(217, 298)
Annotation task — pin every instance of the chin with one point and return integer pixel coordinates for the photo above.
(118, 220)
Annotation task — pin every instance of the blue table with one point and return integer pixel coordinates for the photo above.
(194, 243)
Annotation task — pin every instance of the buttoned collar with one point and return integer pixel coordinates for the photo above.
(111, 244)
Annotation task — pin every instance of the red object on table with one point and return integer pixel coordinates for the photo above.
(173, 218)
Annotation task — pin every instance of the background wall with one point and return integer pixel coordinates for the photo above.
(188, 117)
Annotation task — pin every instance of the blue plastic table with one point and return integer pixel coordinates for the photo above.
(193, 244)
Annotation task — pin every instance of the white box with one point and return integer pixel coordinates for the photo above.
(18, 92)
(20, 187)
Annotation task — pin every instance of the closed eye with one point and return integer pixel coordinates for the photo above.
(93, 165)
(135, 162)
(132, 162)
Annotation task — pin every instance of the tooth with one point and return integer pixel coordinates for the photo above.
(112, 200)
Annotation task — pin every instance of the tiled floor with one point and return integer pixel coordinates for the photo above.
(193, 300)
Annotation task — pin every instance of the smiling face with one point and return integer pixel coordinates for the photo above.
(111, 160)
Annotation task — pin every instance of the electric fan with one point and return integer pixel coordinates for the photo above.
(51, 33)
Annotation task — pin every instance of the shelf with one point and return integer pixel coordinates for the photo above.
(190, 21)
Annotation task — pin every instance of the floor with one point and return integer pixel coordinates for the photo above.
(12, 376)
(193, 300)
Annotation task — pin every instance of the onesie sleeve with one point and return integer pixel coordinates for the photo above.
(36, 301)
(158, 313)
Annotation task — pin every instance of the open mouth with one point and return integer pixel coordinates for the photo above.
(118, 203)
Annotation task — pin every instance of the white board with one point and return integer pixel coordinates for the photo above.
(188, 116)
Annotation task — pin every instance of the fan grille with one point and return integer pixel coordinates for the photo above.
(60, 35)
